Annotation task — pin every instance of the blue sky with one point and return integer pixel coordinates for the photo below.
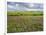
(24, 6)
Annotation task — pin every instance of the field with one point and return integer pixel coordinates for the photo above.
(24, 24)
(24, 21)
(25, 13)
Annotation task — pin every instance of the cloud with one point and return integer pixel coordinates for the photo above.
(24, 6)
(31, 5)
(10, 6)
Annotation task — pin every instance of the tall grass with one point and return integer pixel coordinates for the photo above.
(26, 21)
(24, 24)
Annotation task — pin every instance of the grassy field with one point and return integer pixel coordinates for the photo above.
(24, 23)
(25, 13)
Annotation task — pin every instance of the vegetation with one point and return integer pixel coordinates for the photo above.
(24, 24)
(25, 13)
(26, 21)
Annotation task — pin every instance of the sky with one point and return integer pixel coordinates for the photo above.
(24, 6)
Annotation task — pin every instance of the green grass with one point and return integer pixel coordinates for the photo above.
(24, 23)
(25, 13)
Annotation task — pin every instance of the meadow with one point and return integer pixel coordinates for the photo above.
(25, 13)
(24, 22)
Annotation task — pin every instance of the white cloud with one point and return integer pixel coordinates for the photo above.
(10, 6)
(31, 5)
(34, 9)
(17, 5)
